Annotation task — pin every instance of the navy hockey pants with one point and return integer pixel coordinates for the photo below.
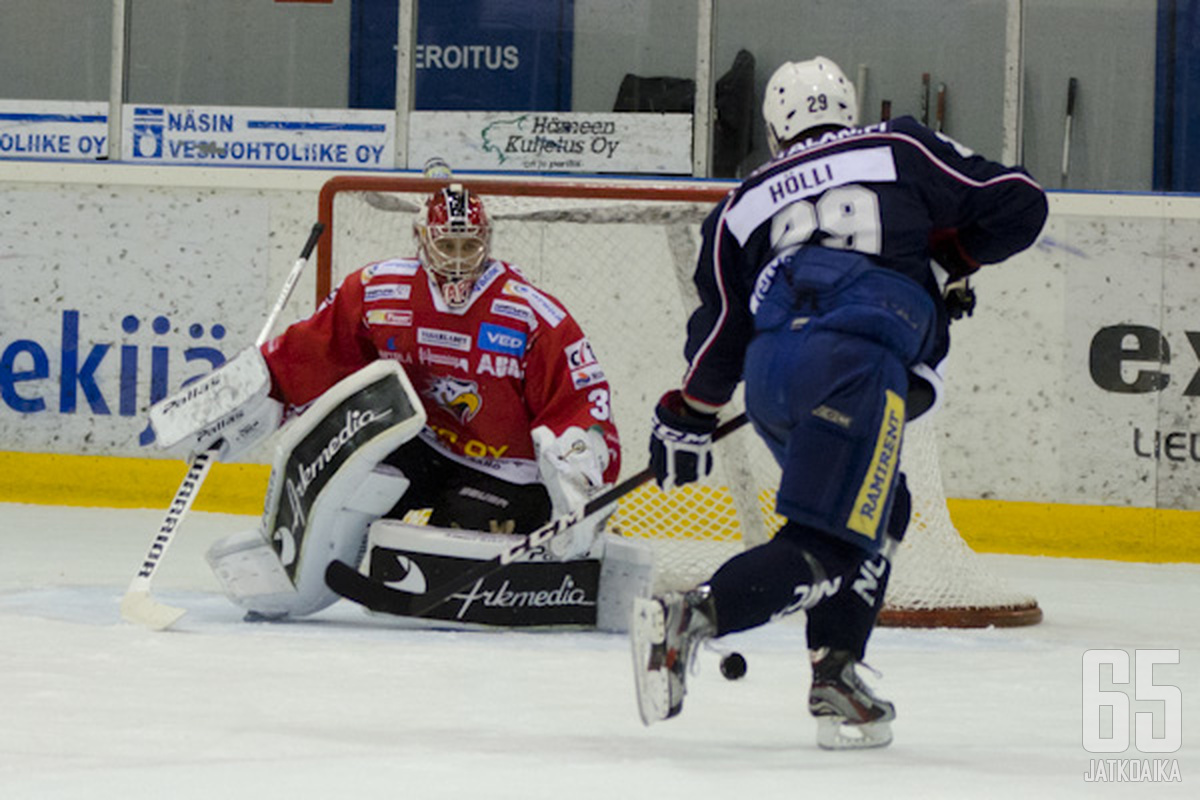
(826, 384)
(831, 409)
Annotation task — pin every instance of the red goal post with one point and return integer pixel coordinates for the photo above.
(620, 255)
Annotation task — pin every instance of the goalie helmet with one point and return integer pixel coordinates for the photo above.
(453, 237)
(807, 94)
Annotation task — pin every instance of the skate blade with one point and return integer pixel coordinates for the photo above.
(647, 632)
(834, 733)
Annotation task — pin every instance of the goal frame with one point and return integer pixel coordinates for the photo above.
(1020, 612)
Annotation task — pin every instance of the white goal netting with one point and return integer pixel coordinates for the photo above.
(620, 256)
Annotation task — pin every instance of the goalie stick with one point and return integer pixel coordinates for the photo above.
(138, 605)
(377, 596)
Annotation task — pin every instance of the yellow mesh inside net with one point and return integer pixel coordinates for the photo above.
(690, 512)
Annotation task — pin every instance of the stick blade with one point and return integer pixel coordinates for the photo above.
(138, 607)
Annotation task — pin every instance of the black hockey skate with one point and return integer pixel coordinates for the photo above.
(849, 715)
(665, 633)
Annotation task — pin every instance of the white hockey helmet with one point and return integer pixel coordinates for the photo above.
(453, 235)
(806, 94)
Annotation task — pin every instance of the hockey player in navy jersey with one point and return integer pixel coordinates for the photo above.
(822, 281)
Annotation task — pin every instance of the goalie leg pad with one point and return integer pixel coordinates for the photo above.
(339, 531)
(626, 573)
(537, 591)
(325, 489)
(251, 574)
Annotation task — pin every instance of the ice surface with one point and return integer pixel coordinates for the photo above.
(344, 705)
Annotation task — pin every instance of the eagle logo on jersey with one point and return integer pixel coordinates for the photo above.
(459, 397)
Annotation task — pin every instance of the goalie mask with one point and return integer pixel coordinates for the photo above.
(807, 94)
(453, 236)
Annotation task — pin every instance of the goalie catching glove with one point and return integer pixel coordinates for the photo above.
(680, 442)
(572, 470)
(230, 405)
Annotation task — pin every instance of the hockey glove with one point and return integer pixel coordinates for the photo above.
(240, 430)
(960, 299)
(230, 405)
(680, 442)
(572, 470)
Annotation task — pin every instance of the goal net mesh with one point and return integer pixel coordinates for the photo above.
(620, 257)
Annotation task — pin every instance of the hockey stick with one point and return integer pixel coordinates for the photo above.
(138, 605)
(925, 98)
(377, 596)
(860, 89)
(941, 108)
(1072, 84)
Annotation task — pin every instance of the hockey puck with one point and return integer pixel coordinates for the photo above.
(733, 666)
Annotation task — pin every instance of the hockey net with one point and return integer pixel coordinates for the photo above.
(620, 257)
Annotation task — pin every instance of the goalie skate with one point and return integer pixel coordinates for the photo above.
(849, 715)
(664, 635)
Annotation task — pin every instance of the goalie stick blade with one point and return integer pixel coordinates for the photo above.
(138, 607)
(354, 586)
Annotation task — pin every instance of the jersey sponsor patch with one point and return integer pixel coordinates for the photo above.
(580, 354)
(588, 376)
(393, 267)
(391, 291)
(500, 366)
(543, 305)
(392, 354)
(807, 179)
(439, 338)
(427, 356)
(872, 498)
(386, 316)
(498, 339)
(494, 270)
(507, 308)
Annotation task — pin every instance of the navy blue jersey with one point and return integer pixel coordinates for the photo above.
(884, 191)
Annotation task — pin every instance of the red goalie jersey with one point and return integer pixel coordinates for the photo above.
(490, 371)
